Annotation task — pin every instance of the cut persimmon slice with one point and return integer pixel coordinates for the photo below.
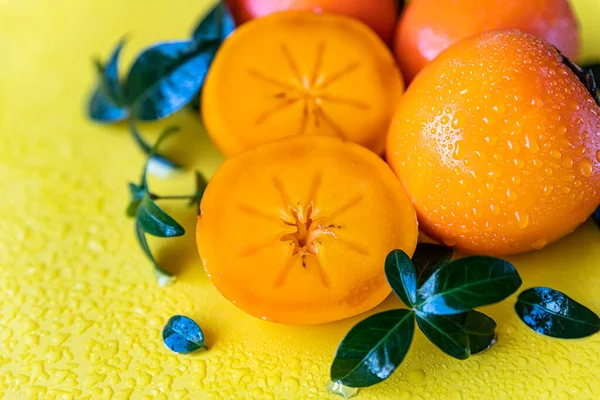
(299, 73)
(297, 230)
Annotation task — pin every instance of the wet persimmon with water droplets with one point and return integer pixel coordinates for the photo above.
(296, 231)
(497, 143)
(427, 27)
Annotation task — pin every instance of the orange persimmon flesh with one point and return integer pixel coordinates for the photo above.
(296, 231)
(299, 73)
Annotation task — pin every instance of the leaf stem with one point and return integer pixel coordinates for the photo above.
(147, 149)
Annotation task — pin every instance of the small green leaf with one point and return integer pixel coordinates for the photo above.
(552, 313)
(480, 328)
(183, 335)
(445, 334)
(467, 283)
(136, 192)
(217, 24)
(401, 276)
(107, 102)
(164, 278)
(201, 184)
(373, 349)
(428, 258)
(166, 76)
(154, 221)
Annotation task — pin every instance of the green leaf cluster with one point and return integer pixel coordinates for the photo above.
(163, 78)
(150, 218)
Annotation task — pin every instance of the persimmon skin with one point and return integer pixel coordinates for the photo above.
(427, 27)
(379, 15)
(296, 231)
(496, 142)
(298, 73)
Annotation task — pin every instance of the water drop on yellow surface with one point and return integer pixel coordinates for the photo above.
(585, 167)
(417, 375)
(444, 120)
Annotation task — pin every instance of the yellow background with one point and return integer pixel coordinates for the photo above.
(80, 311)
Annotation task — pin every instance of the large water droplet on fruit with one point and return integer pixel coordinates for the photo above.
(585, 167)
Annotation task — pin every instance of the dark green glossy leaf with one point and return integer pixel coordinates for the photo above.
(164, 278)
(201, 184)
(107, 102)
(103, 110)
(136, 192)
(166, 76)
(183, 335)
(428, 258)
(596, 216)
(467, 283)
(480, 328)
(373, 349)
(447, 335)
(154, 221)
(155, 158)
(217, 24)
(552, 313)
(401, 276)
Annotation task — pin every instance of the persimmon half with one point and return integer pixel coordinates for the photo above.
(379, 15)
(299, 73)
(427, 27)
(296, 231)
(497, 142)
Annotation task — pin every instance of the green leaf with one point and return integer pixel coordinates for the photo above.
(201, 184)
(467, 283)
(401, 276)
(107, 102)
(183, 335)
(447, 335)
(552, 313)
(428, 258)
(216, 25)
(136, 192)
(154, 221)
(164, 278)
(373, 349)
(166, 76)
(480, 328)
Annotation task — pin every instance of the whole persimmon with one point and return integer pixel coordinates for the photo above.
(299, 73)
(296, 231)
(427, 27)
(379, 15)
(497, 143)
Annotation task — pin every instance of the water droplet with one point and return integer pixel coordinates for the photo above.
(565, 189)
(444, 120)
(548, 171)
(459, 119)
(580, 150)
(459, 150)
(548, 190)
(585, 167)
(511, 194)
(522, 220)
(539, 244)
(516, 179)
(416, 375)
(577, 184)
(598, 155)
(568, 162)
(555, 154)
